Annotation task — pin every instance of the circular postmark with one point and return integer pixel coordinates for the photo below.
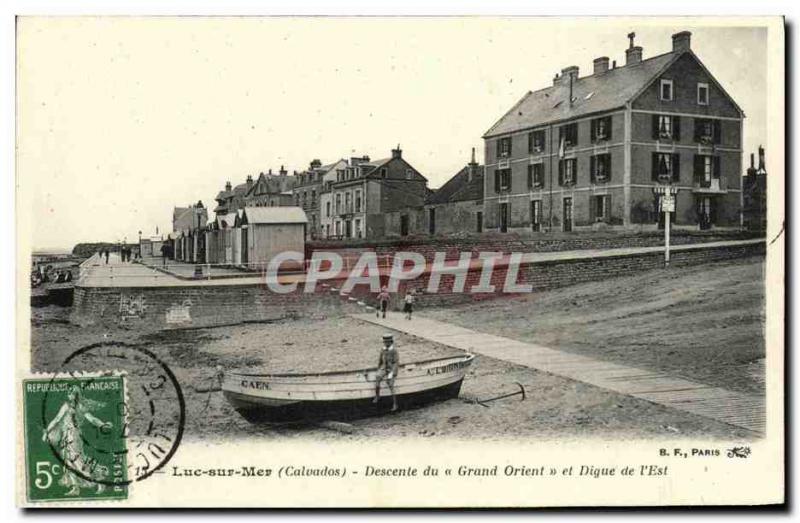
(113, 414)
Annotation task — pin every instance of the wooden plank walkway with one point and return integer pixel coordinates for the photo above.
(735, 408)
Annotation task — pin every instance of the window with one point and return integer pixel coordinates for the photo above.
(536, 215)
(666, 127)
(702, 94)
(313, 196)
(601, 129)
(358, 200)
(706, 212)
(358, 228)
(568, 135)
(479, 221)
(432, 220)
(536, 142)
(338, 208)
(535, 175)
(600, 208)
(502, 180)
(666, 167)
(504, 217)
(504, 147)
(707, 131)
(327, 208)
(384, 172)
(706, 169)
(666, 90)
(600, 168)
(409, 174)
(348, 207)
(568, 172)
(328, 230)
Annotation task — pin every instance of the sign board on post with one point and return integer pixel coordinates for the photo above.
(667, 206)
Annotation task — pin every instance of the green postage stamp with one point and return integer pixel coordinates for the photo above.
(75, 445)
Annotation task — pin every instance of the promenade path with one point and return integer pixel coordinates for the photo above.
(96, 273)
(734, 408)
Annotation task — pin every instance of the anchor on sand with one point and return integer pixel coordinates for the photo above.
(521, 392)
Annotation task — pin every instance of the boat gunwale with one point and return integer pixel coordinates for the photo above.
(463, 357)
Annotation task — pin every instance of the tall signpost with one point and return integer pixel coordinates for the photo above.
(667, 206)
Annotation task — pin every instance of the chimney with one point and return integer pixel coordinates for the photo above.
(397, 153)
(633, 54)
(249, 181)
(752, 161)
(556, 78)
(282, 171)
(681, 42)
(761, 168)
(471, 167)
(600, 65)
(228, 186)
(270, 171)
(569, 72)
(614, 64)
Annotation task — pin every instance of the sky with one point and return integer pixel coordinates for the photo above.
(121, 119)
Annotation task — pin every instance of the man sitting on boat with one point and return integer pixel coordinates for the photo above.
(387, 369)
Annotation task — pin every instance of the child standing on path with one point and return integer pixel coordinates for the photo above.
(383, 302)
(408, 306)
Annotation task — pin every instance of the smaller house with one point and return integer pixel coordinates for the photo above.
(268, 231)
(457, 206)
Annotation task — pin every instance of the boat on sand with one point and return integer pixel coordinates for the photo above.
(346, 394)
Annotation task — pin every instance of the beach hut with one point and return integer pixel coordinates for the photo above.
(268, 231)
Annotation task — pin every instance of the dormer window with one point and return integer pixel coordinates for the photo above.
(666, 90)
(702, 94)
(384, 172)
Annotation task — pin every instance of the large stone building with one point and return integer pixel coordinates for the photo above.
(356, 204)
(308, 190)
(587, 152)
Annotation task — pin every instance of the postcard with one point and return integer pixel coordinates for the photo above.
(399, 262)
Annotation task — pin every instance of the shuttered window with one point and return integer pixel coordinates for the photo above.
(536, 142)
(535, 175)
(666, 167)
(568, 172)
(600, 168)
(601, 129)
(707, 131)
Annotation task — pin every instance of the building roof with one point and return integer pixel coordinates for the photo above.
(591, 94)
(274, 215)
(460, 187)
(226, 221)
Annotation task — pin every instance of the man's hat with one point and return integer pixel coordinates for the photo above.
(388, 336)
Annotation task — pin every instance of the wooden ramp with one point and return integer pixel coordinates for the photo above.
(735, 408)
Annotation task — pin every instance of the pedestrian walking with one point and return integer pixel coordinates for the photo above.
(164, 251)
(383, 302)
(106, 255)
(408, 305)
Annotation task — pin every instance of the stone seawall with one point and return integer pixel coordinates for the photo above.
(213, 305)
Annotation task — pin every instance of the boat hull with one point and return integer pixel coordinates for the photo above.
(258, 412)
(344, 394)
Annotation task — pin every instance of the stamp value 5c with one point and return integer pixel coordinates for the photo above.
(75, 444)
